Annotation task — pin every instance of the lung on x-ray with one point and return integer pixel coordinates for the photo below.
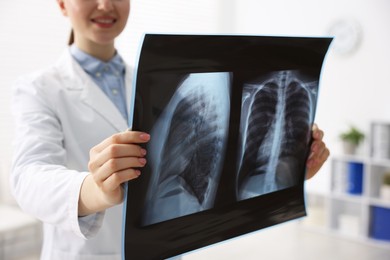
(187, 158)
(230, 120)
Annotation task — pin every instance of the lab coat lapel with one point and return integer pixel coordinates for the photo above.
(92, 95)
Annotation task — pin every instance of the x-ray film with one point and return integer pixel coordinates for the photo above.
(230, 120)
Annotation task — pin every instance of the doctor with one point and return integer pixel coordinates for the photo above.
(71, 153)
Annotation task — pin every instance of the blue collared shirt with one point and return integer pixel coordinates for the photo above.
(109, 76)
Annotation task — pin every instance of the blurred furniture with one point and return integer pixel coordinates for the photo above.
(20, 234)
(353, 207)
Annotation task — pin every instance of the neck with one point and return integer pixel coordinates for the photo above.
(101, 52)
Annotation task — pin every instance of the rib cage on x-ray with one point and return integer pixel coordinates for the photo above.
(274, 132)
(187, 157)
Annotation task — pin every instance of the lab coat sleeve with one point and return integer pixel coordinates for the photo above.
(40, 181)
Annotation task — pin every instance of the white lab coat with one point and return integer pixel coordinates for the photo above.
(60, 114)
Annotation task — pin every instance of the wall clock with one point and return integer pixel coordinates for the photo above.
(347, 35)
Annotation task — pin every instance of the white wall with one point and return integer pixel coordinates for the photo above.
(355, 88)
(168, 16)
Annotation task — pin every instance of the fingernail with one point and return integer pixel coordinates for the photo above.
(137, 172)
(145, 137)
(142, 160)
(143, 151)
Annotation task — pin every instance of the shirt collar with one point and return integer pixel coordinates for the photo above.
(95, 66)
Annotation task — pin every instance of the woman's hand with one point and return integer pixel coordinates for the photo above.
(319, 153)
(112, 162)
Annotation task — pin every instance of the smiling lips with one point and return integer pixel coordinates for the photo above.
(104, 22)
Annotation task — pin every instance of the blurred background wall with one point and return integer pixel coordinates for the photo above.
(354, 87)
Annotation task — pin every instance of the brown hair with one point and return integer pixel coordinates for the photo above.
(71, 38)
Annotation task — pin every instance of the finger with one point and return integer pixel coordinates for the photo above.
(324, 155)
(116, 151)
(312, 167)
(126, 137)
(317, 134)
(116, 165)
(116, 179)
(318, 158)
(316, 149)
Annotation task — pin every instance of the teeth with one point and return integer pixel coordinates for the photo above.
(106, 21)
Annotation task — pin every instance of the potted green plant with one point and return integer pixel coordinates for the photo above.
(385, 188)
(351, 139)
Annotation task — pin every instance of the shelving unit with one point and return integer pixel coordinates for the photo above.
(346, 212)
(353, 207)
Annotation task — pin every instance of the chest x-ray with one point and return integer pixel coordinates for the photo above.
(276, 117)
(230, 119)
